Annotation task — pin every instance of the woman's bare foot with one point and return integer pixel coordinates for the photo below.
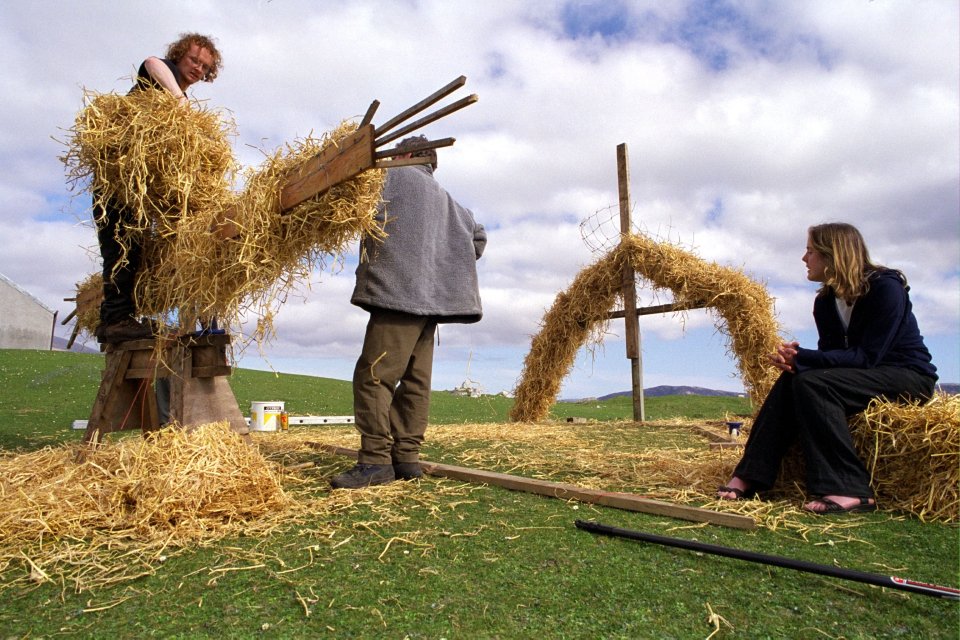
(840, 504)
(736, 489)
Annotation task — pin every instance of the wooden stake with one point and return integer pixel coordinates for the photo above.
(420, 106)
(631, 323)
(368, 116)
(424, 121)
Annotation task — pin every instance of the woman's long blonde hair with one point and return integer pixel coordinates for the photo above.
(849, 266)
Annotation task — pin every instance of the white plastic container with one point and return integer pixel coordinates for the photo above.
(265, 416)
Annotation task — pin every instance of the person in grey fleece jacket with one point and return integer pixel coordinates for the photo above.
(421, 274)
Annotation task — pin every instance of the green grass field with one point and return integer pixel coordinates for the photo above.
(450, 560)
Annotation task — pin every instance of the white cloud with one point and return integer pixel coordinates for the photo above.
(741, 133)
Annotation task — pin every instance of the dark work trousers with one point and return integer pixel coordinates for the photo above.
(391, 386)
(118, 285)
(118, 282)
(813, 407)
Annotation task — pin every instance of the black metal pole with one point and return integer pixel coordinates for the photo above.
(892, 582)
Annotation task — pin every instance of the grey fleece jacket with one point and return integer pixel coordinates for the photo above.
(426, 265)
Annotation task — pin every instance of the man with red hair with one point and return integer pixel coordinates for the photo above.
(191, 59)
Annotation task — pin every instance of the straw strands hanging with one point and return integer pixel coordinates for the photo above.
(172, 168)
(88, 298)
(580, 315)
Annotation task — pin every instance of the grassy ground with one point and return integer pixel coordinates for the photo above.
(442, 559)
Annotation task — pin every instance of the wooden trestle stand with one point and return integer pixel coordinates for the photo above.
(196, 367)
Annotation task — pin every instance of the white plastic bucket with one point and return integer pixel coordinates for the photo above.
(265, 416)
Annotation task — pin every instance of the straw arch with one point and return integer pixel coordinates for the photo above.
(744, 308)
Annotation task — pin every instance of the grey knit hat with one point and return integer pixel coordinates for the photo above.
(426, 153)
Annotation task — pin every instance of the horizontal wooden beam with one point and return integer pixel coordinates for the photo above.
(401, 162)
(660, 308)
(414, 147)
(626, 501)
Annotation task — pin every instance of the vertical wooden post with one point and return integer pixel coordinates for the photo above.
(630, 319)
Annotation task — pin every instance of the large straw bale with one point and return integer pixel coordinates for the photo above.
(913, 454)
(172, 167)
(146, 153)
(744, 307)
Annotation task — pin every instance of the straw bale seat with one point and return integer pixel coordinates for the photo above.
(912, 452)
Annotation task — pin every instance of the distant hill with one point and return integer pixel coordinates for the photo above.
(668, 390)
(61, 345)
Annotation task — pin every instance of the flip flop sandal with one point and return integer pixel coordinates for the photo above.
(742, 494)
(834, 508)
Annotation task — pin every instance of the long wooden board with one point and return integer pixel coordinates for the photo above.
(617, 500)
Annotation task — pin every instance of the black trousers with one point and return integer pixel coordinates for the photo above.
(119, 280)
(813, 407)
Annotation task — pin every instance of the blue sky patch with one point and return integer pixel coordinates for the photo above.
(715, 212)
(718, 33)
(597, 18)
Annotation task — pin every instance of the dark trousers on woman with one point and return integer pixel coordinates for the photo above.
(391, 387)
(812, 407)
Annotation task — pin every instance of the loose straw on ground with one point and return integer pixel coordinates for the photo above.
(132, 502)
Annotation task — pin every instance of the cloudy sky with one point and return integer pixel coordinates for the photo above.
(745, 122)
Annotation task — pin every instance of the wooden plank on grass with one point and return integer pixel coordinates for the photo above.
(725, 445)
(626, 501)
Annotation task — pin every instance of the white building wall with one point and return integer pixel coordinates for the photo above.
(25, 322)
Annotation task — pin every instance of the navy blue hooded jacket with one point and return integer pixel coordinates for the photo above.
(883, 331)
